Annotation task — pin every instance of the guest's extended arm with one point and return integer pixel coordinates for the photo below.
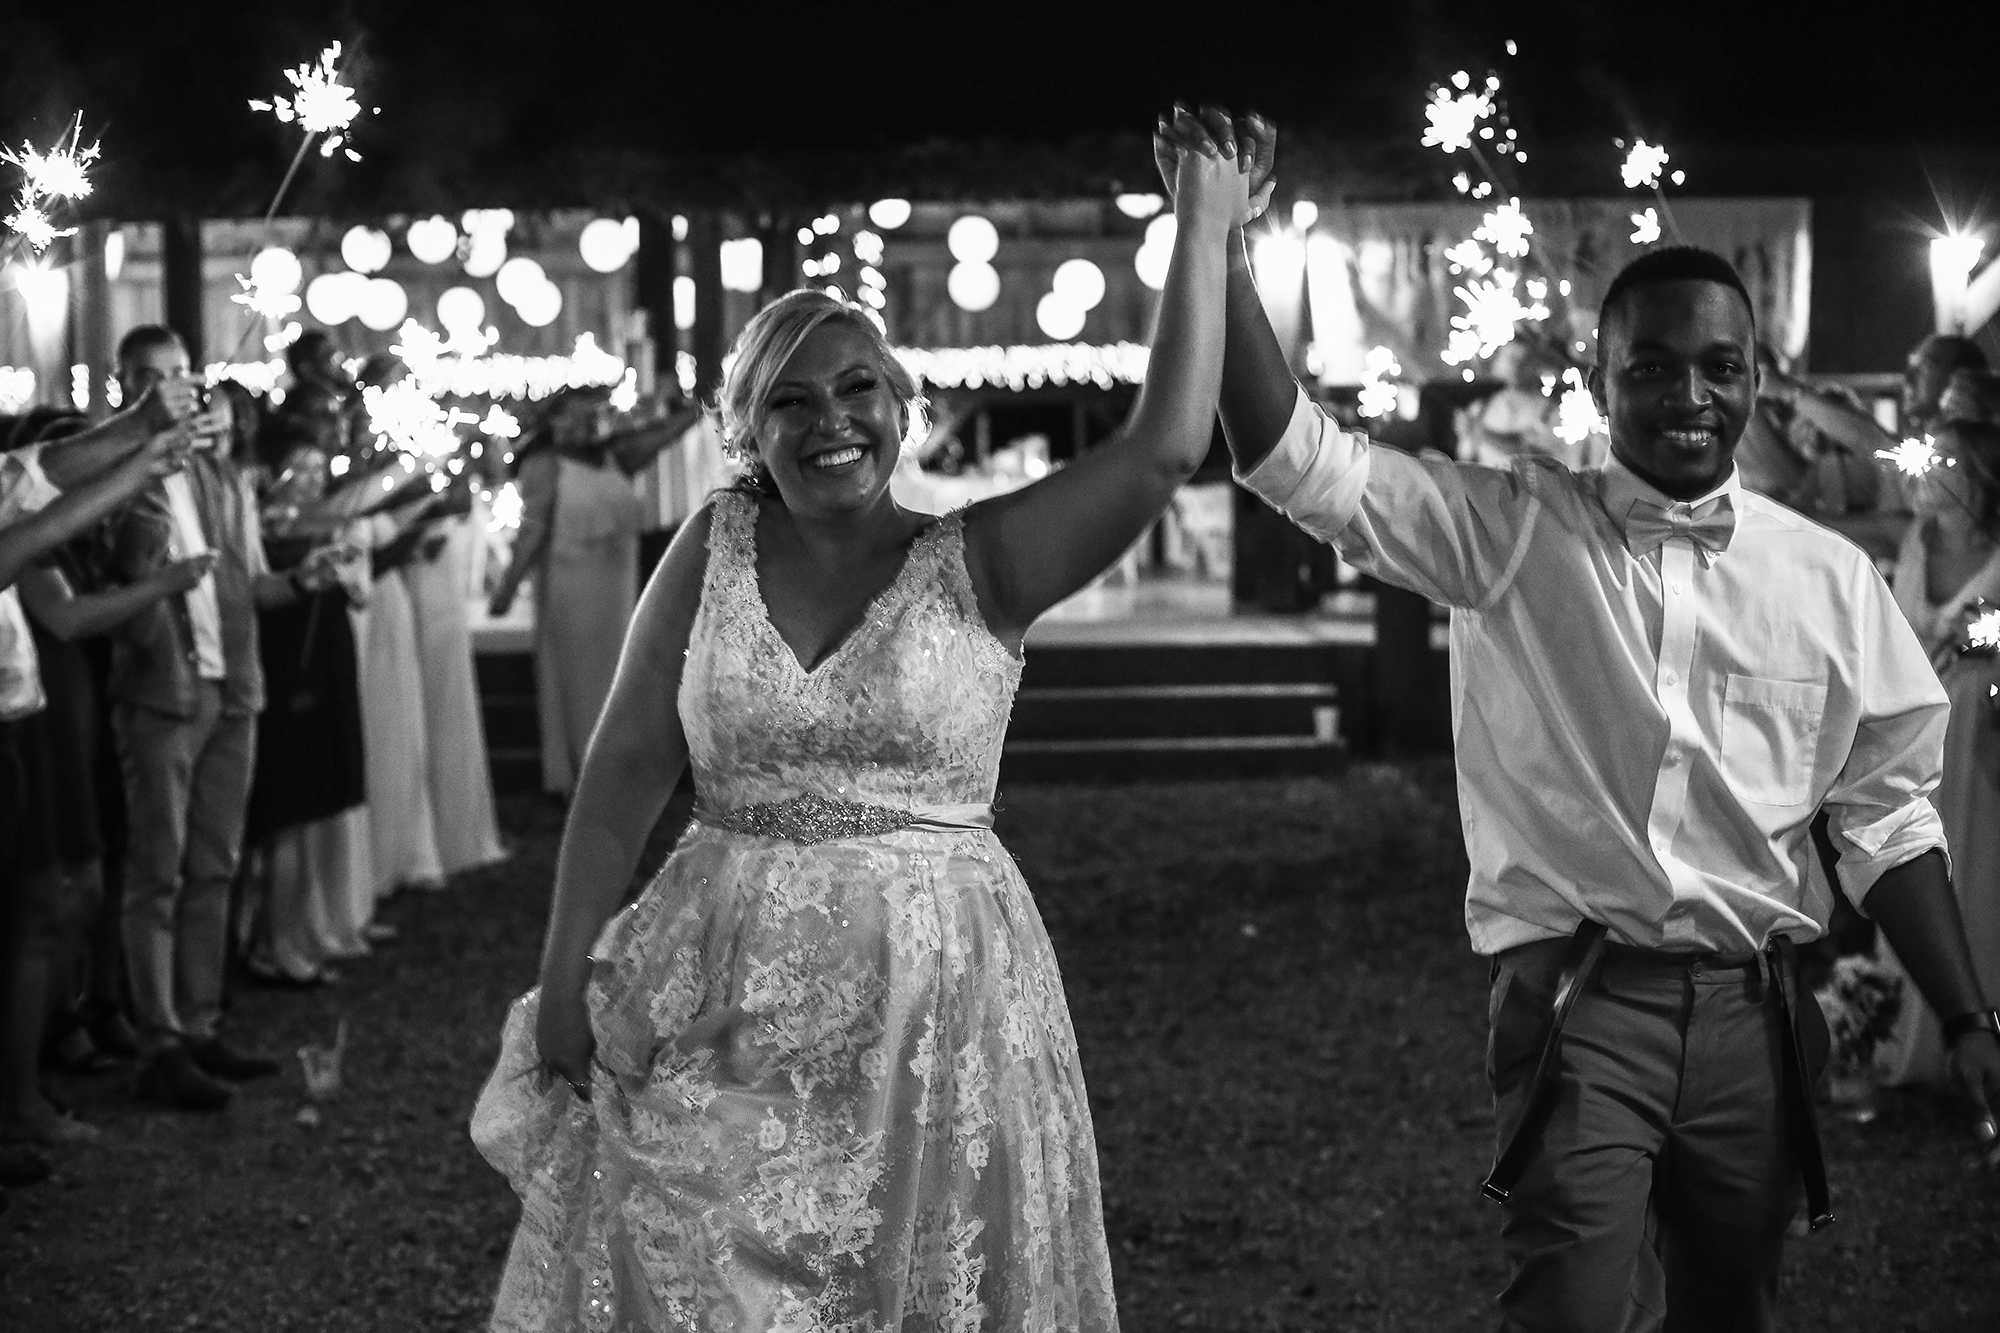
(27, 538)
(531, 542)
(76, 459)
(634, 449)
(70, 615)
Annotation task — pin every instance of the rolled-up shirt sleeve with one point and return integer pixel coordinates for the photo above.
(1879, 809)
(1453, 532)
(24, 487)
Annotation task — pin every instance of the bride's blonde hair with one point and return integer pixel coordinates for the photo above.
(768, 342)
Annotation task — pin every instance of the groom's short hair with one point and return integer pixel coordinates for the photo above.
(1671, 263)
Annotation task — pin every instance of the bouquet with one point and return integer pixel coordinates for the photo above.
(1860, 1002)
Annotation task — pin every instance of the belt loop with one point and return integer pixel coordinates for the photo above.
(1762, 975)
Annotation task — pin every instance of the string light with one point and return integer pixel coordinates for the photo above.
(1027, 366)
(1983, 634)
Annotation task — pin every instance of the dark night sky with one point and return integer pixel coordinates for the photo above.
(572, 102)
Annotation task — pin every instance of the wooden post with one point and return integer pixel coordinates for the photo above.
(653, 291)
(180, 258)
(705, 262)
(92, 339)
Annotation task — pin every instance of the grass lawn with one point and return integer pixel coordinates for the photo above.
(1282, 1026)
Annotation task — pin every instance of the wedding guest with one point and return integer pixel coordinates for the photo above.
(1662, 677)
(188, 685)
(1809, 449)
(1928, 374)
(402, 822)
(306, 821)
(461, 785)
(1971, 395)
(579, 542)
(35, 517)
(1949, 568)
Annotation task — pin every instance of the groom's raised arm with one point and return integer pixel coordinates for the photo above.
(1449, 532)
(1258, 391)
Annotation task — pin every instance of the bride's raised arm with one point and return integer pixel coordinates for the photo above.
(1029, 549)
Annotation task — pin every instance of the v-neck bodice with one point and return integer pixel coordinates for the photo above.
(909, 708)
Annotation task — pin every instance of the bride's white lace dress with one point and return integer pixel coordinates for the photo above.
(837, 1086)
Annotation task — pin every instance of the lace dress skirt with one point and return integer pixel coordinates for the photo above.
(836, 1088)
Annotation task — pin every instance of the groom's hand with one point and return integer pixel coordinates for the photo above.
(1250, 138)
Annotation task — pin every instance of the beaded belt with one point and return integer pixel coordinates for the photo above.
(809, 818)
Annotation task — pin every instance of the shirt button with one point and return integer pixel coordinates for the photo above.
(1672, 759)
(1677, 586)
(1673, 678)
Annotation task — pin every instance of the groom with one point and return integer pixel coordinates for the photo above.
(1659, 677)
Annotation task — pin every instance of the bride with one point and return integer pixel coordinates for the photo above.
(821, 1074)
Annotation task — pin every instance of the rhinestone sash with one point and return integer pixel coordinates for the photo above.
(810, 818)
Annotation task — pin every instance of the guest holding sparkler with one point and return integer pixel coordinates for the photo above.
(39, 840)
(579, 541)
(1971, 395)
(188, 685)
(1928, 374)
(1947, 577)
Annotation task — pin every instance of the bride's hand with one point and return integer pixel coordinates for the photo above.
(564, 1040)
(1251, 138)
(1212, 188)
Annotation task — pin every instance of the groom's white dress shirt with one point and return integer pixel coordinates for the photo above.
(1645, 726)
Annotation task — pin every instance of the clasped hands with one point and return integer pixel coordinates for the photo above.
(1190, 148)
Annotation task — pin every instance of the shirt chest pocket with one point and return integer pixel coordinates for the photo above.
(1770, 738)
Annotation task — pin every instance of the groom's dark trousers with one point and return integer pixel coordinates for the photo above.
(1657, 1192)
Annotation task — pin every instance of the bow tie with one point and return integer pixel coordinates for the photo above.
(1709, 525)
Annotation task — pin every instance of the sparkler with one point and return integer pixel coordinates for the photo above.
(1378, 395)
(1467, 255)
(1454, 119)
(1506, 229)
(1983, 634)
(413, 422)
(1492, 311)
(1577, 417)
(1643, 165)
(322, 105)
(61, 173)
(1914, 458)
(266, 301)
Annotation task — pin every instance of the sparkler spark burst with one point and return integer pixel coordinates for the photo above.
(1646, 227)
(1506, 229)
(1643, 165)
(1378, 395)
(321, 103)
(1984, 631)
(1913, 458)
(1492, 311)
(261, 300)
(34, 226)
(412, 421)
(1467, 255)
(1455, 119)
(500, 423)
(1577, 417)
(60, 173)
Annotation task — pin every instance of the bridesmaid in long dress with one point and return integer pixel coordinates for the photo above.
(1949, 563)
(579, 540)
(402, 825)
(461, 787)
(821, 1075)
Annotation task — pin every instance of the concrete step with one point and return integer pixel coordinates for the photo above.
(1104, 712)
(1169, 758)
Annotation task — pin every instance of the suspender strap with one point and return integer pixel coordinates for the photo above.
(1799, 1115)
(1580, 963)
